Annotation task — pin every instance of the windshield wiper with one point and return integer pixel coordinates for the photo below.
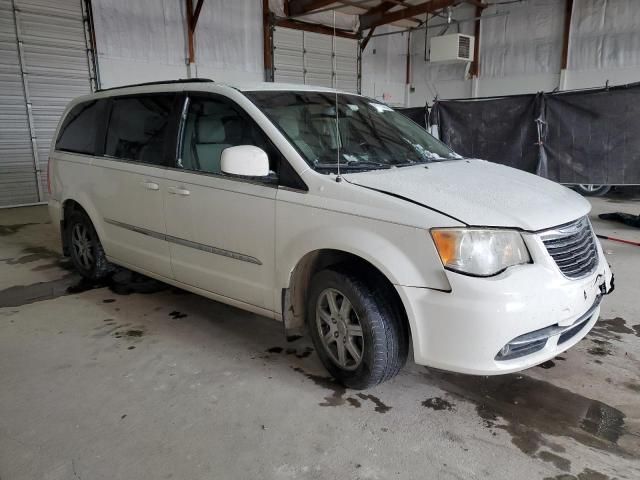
(353, 165)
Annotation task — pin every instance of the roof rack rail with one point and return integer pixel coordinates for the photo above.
(160, 82)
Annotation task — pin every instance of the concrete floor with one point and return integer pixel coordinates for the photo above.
(103, 383)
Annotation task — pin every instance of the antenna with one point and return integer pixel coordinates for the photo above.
(335, 86)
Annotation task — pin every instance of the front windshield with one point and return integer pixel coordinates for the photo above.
(371, 134)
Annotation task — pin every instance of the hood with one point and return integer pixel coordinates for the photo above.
(480, 193)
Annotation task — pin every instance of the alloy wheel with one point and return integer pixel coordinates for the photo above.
(340, 329)
(82, 245)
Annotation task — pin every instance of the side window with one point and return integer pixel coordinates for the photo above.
(213, 124)
(138, 126)
(78, 132)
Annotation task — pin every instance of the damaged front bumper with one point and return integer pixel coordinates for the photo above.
(518, 319)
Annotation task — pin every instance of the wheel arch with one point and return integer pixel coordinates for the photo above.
(70, 205)
(294, 296)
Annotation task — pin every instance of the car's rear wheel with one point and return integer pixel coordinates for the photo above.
(85, 248)
(592, 189)
(358, 335)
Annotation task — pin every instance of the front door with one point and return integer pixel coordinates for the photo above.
(220, 229)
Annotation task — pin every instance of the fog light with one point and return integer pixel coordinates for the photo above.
(505, 350)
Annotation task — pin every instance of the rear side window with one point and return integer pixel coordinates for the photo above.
(138, 127)
(78, 131)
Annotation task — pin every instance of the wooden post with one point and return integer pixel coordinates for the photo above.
(568, 10)
(475, 66)
(192, 54)
(192, 21)
(267, 46)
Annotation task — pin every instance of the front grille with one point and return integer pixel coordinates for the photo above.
(573, 247)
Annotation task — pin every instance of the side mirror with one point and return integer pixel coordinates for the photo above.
(245, 161)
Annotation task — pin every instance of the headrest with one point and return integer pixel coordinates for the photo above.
(289, 124)
(153, 124)
(210, 130)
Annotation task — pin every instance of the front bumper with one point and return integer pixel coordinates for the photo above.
(466, 329)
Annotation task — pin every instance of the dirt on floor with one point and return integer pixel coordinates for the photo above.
(131, 378)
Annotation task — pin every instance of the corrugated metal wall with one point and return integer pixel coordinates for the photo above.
(17, 176)
(306, 58)
(43, 64)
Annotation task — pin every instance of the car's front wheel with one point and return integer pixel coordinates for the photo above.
(85, 248)
(357, 332)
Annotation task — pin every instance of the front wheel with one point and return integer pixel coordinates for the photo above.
(356, 331)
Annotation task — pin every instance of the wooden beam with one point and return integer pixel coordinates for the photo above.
(385, 6)
(478, 3)
(365, 42)
(374, 20)
(298, 7)
(408, 65)
(381, 8)
(192, 53)
(474, 71)
(568, 11)
(192, 21)
(316, 28)
(196, 15)
(267, 45)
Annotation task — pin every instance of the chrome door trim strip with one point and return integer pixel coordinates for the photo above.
(133, 228)
(186, 243)
(214, 250)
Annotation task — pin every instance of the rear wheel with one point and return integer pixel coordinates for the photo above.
(592, 189)
(85, 248)
(358, 336)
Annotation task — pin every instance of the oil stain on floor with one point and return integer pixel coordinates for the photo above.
(336, 398)
(338, 394)
(6, 230)
(19, 295)
(586, 474)
(601, 348)
(32, 254)
(438, 404)
(122, 283)
(132, 333)
(613, 328)
(531, 408)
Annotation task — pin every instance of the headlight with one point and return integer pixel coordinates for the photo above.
(480, 252)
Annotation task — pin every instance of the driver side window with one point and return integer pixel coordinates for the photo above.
(213, 124)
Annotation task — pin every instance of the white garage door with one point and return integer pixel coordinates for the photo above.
(306, 58)
(43, 65)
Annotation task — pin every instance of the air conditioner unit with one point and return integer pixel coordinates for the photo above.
(452, 48)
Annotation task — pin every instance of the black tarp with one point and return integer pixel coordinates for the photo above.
(587, 136)
(499, 129)
(594, 136)
(417, 114)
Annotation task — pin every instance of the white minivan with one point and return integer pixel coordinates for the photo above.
(334, 214)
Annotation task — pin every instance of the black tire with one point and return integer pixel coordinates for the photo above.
(384, 335)
(94, 265)
(591, 190)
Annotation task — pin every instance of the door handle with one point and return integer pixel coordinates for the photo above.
(179, 191)
(150, 185)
